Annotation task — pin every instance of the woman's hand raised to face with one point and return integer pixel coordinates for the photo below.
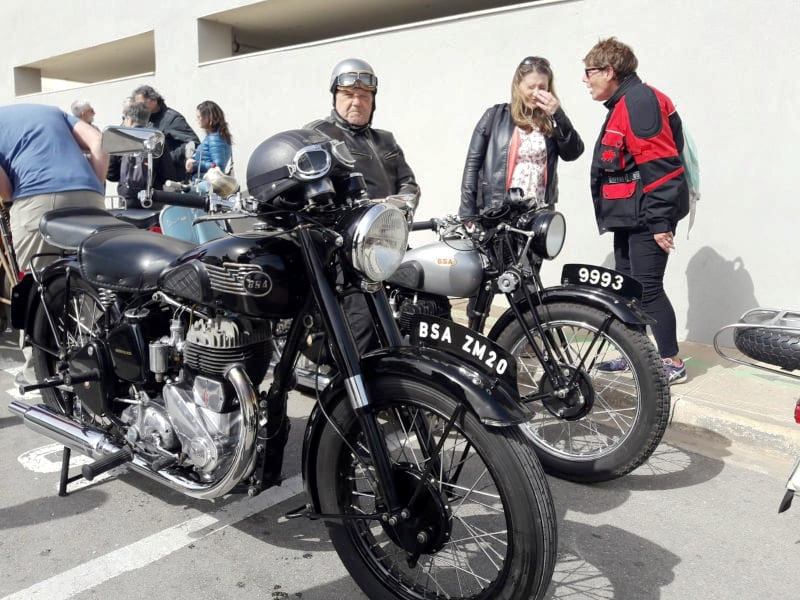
(547, 102)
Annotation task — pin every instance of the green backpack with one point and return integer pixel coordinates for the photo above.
(691, 165)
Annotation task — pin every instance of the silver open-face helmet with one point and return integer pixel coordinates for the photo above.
(352, 72)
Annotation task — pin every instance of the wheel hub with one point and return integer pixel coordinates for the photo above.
(578, 400)
(428, 526)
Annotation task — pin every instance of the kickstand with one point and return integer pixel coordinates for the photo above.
(65, 478)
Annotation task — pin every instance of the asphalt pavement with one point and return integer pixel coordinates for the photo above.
(698, 520)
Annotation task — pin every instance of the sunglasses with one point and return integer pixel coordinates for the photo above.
(365, 80)
(534, 61)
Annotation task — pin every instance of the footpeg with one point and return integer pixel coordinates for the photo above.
(301, 511)
(106, 463)
(163, 462)
(57, 380)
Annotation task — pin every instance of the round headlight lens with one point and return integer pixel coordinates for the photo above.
(550, 228)
(379, 242)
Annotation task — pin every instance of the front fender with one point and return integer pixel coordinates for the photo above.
(627, 311)
(493, 402)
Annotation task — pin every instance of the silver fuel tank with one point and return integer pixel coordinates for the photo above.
(450, 268)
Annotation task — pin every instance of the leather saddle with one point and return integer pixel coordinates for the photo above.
(111, 253)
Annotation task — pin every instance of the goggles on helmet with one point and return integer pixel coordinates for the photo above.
(366, 80)
(312, 162)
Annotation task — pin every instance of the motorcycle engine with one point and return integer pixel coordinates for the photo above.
(197, 415)
(198, 421)
(422, 304)
(212, 345)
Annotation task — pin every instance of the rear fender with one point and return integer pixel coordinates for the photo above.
(624, 310)
(494, 403)
(26, 297)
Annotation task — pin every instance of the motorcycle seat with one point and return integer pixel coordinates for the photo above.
(128, 259)
(66, 228)
(140, 218)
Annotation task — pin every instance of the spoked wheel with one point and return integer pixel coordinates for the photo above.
(615, 419)
(482, 524)
(77, 321)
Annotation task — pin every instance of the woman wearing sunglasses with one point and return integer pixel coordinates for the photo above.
(518, 144)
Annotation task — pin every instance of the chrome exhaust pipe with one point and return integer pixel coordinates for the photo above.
(95, 443)
(83, 438)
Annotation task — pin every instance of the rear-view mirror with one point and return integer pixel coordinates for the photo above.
(130, 140)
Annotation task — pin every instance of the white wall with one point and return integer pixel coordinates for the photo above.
(730, 67)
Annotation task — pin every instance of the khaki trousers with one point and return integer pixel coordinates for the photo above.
(26, 213)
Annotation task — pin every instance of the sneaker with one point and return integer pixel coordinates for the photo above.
(616, 365)
(674, 373)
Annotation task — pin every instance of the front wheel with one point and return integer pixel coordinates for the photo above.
(483, 525)
(626, 410)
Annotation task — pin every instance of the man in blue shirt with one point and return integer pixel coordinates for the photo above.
(43, 167)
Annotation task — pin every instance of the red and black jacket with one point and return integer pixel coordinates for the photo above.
(637, 177)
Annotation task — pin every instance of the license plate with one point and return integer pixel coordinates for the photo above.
(599, 277)
(470, 347)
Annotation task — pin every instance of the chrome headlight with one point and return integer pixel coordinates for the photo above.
(550, 229)
(379, 242)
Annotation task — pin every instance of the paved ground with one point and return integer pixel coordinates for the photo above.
(698, 520)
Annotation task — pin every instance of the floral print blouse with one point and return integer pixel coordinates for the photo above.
(530, 170)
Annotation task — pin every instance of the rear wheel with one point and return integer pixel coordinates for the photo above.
(75, 321)
(483, 524)
(625, 412)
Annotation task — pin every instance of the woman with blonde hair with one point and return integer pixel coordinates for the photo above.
(518, 144)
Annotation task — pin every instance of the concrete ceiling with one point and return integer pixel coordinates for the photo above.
(120, 58)
(277, 23)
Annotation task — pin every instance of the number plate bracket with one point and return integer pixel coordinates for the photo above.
(602, 278)
(468, 346)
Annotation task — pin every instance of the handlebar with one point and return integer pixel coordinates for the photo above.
(423, 225)
(181, 199)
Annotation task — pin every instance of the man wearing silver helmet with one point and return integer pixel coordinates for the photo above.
(378, 156)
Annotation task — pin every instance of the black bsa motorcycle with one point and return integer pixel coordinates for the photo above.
(588, 423)
(149, 351)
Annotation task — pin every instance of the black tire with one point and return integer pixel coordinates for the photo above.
(772, 346)
(636, 403)
(527, 516)
(85, 309)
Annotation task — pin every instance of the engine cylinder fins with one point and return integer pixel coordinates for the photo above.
(212, 345)
(227, 333)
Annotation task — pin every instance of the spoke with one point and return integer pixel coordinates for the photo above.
(471, 490)
(474, 485)
(482, 535)
(405, 431)
(481, 545)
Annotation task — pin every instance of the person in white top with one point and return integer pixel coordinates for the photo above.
(518, 144)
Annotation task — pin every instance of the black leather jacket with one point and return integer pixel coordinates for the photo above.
(485, 171)
(171, 164)
(378, 156)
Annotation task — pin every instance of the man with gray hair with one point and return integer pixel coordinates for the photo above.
(84, 111)
(176, 130)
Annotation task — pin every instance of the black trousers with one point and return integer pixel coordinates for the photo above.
(636, 253)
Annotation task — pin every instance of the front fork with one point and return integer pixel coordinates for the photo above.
(549, 351)
(348, 361)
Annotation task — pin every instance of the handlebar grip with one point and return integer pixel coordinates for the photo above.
(178, 199)
(422, 225)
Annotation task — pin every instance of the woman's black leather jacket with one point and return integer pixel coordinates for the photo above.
(485, 171)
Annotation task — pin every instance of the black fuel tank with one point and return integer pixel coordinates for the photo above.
(249, 273)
